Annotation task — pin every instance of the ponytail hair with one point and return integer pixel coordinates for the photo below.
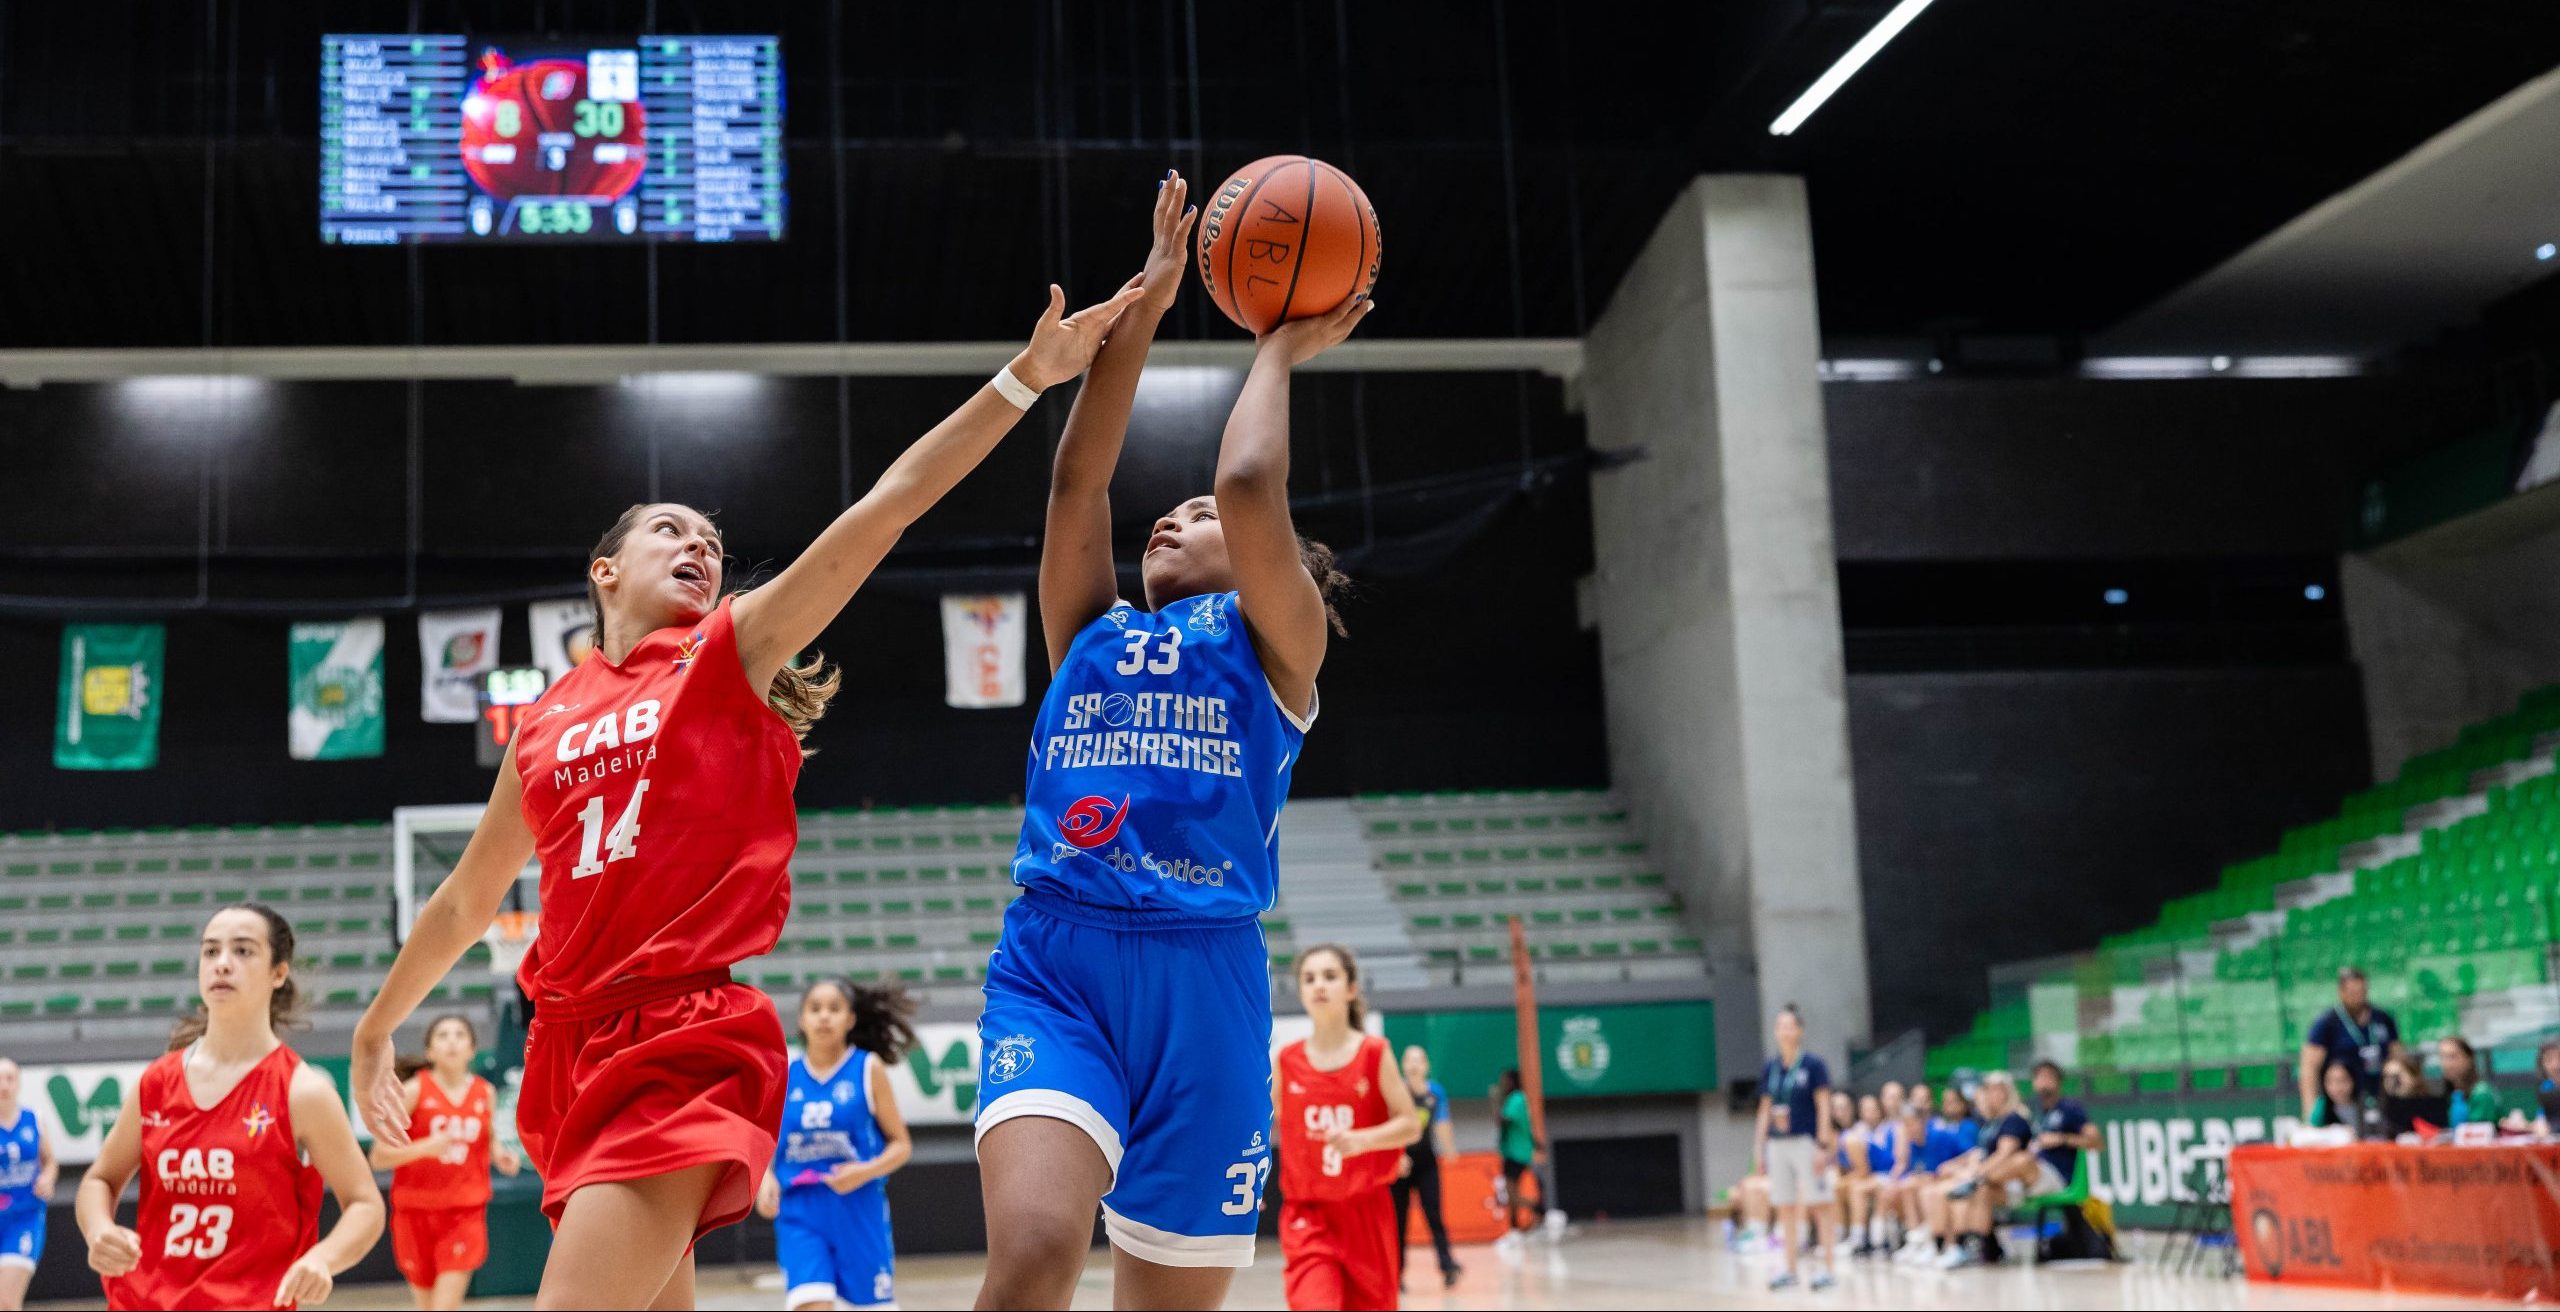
(1331, 584)
(1358, 1006)
(284, 1006)
(800, 690)
(408, 1067)
(884, 1016)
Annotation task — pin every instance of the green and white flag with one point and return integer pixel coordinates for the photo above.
(336, 710)
(110, 707)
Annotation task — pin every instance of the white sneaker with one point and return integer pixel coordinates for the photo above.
(1508, 1246)
(1555, 1222)
(1957, 1257)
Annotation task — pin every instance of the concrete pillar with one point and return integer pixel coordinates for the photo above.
(1718, 605)
(2452, 624)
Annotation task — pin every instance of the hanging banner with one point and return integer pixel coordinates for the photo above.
(2481, 1222)
(563, 633)
(455, 647)
(109, 710)
(336, 691)
(982, 651)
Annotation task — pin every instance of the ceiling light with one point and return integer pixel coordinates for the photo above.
(2545, 251)
(2313, 592)
(2117, 596)
(2220, 363)
(1838, 74)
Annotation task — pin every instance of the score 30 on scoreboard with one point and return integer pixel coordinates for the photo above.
(452, 138)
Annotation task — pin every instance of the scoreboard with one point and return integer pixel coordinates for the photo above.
(638, 138)
(506, 696)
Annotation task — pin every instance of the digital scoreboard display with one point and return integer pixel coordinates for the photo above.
(455, 138)
(506, 696)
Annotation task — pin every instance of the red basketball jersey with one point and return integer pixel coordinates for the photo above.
(459, 1178)
(228, 1202)
(1313, 1104)
(659, 794)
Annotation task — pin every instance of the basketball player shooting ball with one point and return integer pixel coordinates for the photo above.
(1126, 1058)
(655, 781)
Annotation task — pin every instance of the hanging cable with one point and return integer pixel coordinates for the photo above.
(844, 276)
(1511, 219)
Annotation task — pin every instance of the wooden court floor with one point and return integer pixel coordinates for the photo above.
(1628, 1264)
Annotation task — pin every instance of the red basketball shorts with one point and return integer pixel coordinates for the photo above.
(427, 1242)
(678, 1080)
(1340, 1253)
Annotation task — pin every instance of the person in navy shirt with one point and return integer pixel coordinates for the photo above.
(2063, 1129)
(2355, 1032)
(1792, 1141)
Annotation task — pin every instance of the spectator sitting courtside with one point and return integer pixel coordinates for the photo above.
(2471, 1099)
(2409, 1097)
(2338, 1103)
(2547, 1062)
(2063, 1128)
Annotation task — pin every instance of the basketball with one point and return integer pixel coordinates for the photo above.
(1287, 237)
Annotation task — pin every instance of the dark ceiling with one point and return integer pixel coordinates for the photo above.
(2034, 166)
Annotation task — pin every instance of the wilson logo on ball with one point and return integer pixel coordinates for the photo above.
(1092, 821)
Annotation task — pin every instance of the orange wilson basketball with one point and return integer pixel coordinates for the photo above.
(1287, 237)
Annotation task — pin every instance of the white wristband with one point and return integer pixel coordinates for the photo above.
(1013, 389)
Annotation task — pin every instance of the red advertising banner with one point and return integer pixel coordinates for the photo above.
(2478, 1221)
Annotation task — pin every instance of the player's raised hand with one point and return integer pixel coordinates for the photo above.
(1063, 344)
(378, 1090)
(1170, 255)
(114, 1251)
(1305, 339)
(306, 1282)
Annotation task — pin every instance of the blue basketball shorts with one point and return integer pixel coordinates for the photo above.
(22, 1236)
(1156, 1041)
(835, 1248)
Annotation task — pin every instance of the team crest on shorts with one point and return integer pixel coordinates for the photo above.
(1010, 1059)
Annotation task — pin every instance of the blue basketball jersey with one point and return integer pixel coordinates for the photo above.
(1159, 765)
(21, 1158)
(827, 1123)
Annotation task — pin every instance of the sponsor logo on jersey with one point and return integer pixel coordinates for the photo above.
(687, 650)
(1256, 1148)
(1093, 821)
(258, 1121)
(1009, 1059)
(1209, 614)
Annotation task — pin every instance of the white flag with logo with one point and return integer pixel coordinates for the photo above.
(563, 633)
(455, 647)
(982, 650)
